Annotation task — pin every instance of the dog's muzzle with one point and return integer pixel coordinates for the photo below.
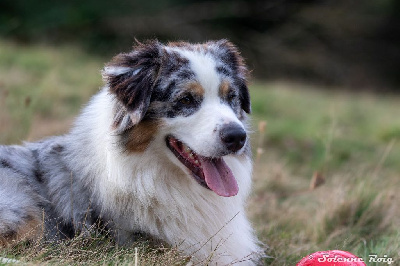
(233, 137)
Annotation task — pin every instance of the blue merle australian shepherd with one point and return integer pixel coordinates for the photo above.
(161, 150)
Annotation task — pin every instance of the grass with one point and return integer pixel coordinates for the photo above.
(95, 250)
(43, 84)
(351, 141)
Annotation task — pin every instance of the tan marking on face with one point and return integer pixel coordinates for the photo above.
(224, 89)
(195, 88)
(141, 135)
(30, 230)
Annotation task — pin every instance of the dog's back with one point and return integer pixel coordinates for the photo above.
(40, 195)
(20, 201)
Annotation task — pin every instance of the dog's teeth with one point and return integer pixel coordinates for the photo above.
(191, 156)
(197, 161)
(187, 149)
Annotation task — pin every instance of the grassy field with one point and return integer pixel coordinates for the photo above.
(327, 163)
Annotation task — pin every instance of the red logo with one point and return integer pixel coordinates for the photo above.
(332, 258)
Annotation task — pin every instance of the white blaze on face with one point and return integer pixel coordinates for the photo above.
(201, 130)
(197, 144)
(203, 65)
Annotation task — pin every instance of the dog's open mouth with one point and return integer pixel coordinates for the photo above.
(211, 173)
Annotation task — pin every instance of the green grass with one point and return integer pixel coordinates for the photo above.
(352, 140)
(42, 82)
(320, 127)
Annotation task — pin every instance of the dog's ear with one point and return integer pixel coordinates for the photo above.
(131, 77)
(245, 98)
(231, 57)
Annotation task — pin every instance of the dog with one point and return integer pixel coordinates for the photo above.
(161, 150)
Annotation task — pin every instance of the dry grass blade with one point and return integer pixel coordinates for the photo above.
(317, 180)
(262, 125)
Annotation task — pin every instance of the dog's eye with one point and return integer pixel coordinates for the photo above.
(187, 100)
(231, 97)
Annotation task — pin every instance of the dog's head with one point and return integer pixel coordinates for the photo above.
(194, 95)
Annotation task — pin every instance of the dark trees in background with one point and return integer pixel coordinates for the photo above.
(354, 43)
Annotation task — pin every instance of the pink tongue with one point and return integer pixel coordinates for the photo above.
(219, 177)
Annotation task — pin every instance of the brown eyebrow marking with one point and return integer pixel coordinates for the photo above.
(196, 88)
(224, 89)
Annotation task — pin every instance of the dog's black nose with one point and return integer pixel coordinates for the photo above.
(233, 137)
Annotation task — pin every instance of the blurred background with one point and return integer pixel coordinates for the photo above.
(325, 101)
(352, 43)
